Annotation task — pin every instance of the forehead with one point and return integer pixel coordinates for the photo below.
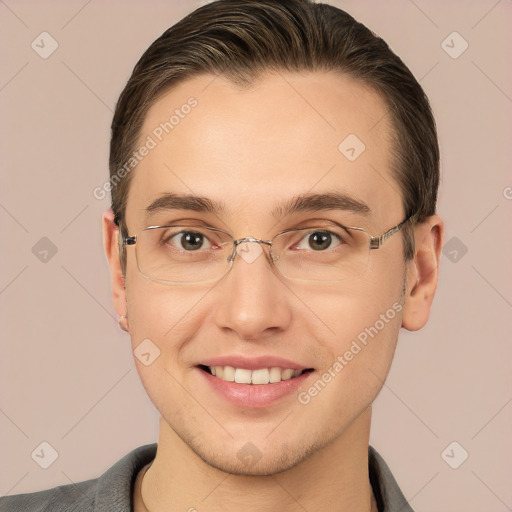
(254, 148)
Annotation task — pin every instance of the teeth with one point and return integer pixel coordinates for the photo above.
(228, 374)
(275, 374)
(242, 376)
(259, 376)
(286, 374)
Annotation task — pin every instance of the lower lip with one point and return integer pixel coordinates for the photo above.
(254, 395)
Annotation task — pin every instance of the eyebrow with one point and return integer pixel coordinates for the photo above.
(301, 203)
(171, 201)
(321, 202)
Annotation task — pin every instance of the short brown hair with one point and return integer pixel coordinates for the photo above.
(240, 39)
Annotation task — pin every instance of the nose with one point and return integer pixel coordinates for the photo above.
(253, 301)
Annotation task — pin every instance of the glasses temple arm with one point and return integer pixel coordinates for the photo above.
(378, 241)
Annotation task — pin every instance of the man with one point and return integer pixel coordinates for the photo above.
(274, 171)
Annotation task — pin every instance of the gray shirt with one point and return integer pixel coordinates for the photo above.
(113, 491)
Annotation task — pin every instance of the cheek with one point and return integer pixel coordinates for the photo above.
(170, 317)
(162, 320)
(160, 311)
(359, 358)
(345, 310)
(361, 322)
(366, 333)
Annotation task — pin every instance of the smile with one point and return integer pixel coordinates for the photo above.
(258, 376)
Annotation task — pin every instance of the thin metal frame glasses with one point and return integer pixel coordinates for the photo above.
(176, 254)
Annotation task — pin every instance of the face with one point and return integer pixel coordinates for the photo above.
(251, 152)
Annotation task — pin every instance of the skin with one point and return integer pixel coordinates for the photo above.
(253, 149)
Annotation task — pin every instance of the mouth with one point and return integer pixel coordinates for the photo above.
(258, 382)
(258, 376)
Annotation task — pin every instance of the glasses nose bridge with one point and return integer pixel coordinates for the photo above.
(248, 239)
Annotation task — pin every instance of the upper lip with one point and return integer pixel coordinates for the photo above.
(253, 363)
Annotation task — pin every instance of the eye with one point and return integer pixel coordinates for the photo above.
(319, 240)
(189, 241)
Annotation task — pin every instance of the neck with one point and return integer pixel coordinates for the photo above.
(334, 477)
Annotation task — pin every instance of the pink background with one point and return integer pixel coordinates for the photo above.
(67, 372)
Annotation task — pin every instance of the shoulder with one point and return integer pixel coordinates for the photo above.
(73, 497)
(385, 488)
(111, 491)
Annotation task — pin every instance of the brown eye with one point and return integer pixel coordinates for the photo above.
(319, 241)
(188, 240)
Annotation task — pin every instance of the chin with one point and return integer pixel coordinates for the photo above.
(250, 461)
(260, 458)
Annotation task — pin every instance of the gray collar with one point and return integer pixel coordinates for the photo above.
(114, 490)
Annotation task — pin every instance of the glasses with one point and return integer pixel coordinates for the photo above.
(189, 253)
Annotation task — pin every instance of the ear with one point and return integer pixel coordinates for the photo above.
(111, 245)
(423, 273)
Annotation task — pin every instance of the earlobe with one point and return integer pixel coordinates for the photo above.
(123, 323)
(423, 273)
(111, 246)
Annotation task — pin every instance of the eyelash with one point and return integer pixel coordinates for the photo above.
(305, 236)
